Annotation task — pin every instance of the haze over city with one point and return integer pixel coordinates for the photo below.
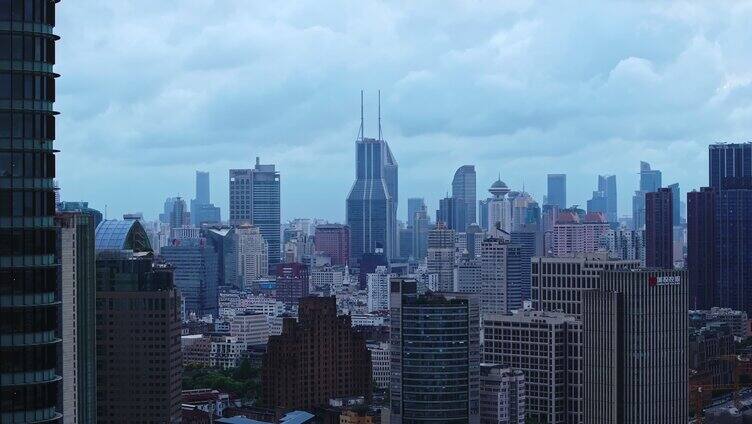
(155, 90)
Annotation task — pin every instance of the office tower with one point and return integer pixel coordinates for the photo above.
(380, 363)
(202, 210)
(572, 234)
(250, 328)
(333, 240)
(139, 361)
(734, 243)
(650, 181)
(435, 355)
(414, 204)
(530, 245)
(598, 203)
(624, 244)
(82, 207)
(316, 358)
(372, 201)
(501, 276)
(468, 275)
(77, 296)
(470, 240)
(178, 214)
(659, 239)
(546, 347)
(607, 186)
(368, 264)
(255, 200)
(406, 243)
(675, 204)
(499, 208)
(525, 210)
(728, 160)
(483, 213)
(378, 289)
(252, 253)
(464, 195)
(292, 282)
(447, 213)
(224, 242)
(420, 234)
(502, 395)
(169, 203)
(195, 274)
(440, 256)
(30, 386)
(557, 190)
(202, 188)
(558, 282)
(635, 341)
(702, 264)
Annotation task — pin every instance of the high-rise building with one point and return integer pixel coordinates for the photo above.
(675, 203)
(635, 348)
(202, 210)
(734, 243)
(195, 273)
(650, 181)
(380, 363)
(292, 282)
(702, 264)
(255, 200)
(202, 188)
(572, 234)
(252, 255)
(468, 276)
(607, 186)
(435, 356)
(82, 207)
(447, 213)
(483, 213)
(333, 240)
(558, 282)
(502, 395)
(420, 234)
(316, 358)
(659, 236)
(29, 309)
(440, 257)
(557, 190)
(139, 360)
(501, 276)
(77, 296)
(624, 244)
(499, 208)
(372, 202)
(224, 242)
(250, 328)
(378, 289)
(414, 204)
(728, 160)
(546, 347)
(464, 195)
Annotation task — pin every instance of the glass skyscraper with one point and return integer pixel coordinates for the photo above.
(728, 160)
(29, 292)
(255, 200)
(557, 190)
(464, 195)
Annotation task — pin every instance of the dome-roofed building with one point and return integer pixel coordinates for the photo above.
(499, 189)
(127, 234)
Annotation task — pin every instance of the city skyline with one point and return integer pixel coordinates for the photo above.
(441, 102)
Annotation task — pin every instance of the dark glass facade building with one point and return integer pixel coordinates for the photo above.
(728, 160)
(557, 190)
(734, 243)
(464, 194)
(29, 299)
(659, 242)
(701, 257)
(435, 356)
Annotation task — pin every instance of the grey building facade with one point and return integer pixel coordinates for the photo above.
(464, 194)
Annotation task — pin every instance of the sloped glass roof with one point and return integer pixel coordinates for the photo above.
(122, 235)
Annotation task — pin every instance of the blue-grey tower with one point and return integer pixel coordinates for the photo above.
(464, 195)
(30, 367)
(372, 203)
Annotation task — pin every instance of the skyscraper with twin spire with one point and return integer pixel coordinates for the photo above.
(372, 203)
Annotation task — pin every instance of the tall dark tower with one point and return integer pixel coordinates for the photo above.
(658, 229)
(29, 292)
(372, 203)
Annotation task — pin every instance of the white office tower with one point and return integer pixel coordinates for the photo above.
(502, 395)
(378, 289)
(635, 348)
(501, 290)
(624, 244)
(440, 258)
(546, 347)
(252, 254)
(499, 209)
(251, 328)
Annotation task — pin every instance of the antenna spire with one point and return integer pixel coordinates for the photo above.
(360, 133)
(380, 137)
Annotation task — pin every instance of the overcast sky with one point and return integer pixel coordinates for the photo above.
(151, 91)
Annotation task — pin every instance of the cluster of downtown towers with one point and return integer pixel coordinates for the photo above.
(719, 217)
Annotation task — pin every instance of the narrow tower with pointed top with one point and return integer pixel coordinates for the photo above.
(372, 203)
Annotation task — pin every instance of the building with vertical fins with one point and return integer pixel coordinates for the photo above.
(371, 206)
(728, 160)
(255, 200)
(464, 195)
(30, 370)
(734, 243)
(659, 229)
